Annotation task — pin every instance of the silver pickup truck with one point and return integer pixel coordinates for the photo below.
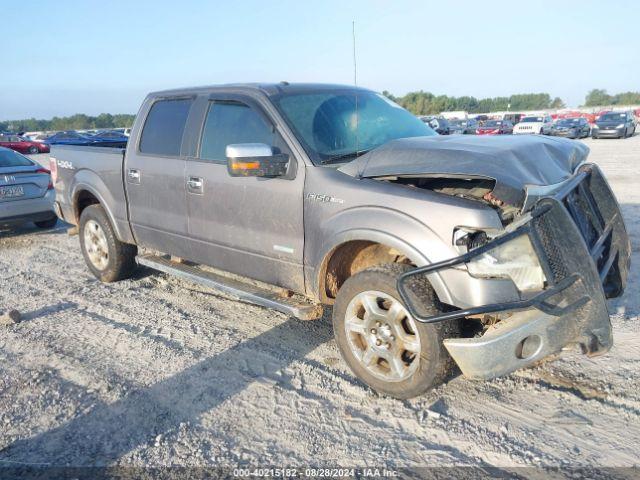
(434, 251)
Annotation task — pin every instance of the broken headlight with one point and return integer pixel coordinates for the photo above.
(515, 259)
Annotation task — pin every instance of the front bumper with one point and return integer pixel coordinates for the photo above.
(607, 132)
(565, 133)
(581, 240)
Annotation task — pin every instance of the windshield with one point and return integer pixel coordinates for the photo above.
(532, 119)
(9, 158)
(612, 117)
(569, 122)
(492, 123)
(330, 129)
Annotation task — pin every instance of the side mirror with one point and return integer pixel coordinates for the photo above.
(255, 160)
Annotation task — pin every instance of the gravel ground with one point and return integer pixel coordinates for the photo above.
(154, 371)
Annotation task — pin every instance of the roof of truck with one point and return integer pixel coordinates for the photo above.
(266, 88)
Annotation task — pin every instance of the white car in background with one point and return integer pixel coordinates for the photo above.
(534, 124)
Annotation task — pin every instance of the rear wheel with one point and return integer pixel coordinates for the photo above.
(381, 342)
(108, 258)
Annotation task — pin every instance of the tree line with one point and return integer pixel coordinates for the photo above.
(426, 103)
(419, 103)
(78, 121)
(600, 98)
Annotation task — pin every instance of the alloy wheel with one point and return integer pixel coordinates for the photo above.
(382, 336)
(95, 242)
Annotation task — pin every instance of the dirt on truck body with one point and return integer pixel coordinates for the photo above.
(340, 197)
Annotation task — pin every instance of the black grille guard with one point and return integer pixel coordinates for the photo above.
(574, 245)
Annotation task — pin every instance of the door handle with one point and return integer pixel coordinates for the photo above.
(195, 184)
(134, 175)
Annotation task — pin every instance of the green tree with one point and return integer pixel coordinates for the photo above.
(78, 121)
(597, 97)
(627, 98)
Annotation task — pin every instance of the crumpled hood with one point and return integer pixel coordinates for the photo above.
(512, 161)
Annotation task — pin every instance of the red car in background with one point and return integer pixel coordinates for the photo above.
(495, 127)
(22, 145)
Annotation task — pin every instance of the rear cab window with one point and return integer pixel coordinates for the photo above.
(164, 127)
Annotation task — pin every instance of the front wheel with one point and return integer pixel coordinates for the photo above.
(33, 150)
(108, 258)
(380, 341)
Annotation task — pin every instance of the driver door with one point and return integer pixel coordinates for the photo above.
(250, 226)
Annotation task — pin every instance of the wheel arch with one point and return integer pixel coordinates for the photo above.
(84, 195)
(358, 249)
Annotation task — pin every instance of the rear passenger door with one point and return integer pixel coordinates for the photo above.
(246, 225)
(154, 177)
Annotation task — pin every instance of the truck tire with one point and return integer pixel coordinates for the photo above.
(381, 343)
(108, 258)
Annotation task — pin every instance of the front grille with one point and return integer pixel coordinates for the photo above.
(551, 249)
(583, 210)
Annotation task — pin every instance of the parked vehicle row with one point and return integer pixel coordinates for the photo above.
(105, 138)
(117, 136)
(607, 125)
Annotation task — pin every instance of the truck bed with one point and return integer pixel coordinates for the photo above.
(97, 171)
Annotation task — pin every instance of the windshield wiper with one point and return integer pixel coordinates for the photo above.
(345, 156)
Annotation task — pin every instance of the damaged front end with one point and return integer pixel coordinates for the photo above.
(477, 189)
(566, 255)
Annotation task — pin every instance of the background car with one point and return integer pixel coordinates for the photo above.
(495, 127)
(614, 125)
(111, 136)
(26, 191)
(69, 138)
(439, 124)
(571, 128)
(40, 137)
(463, 127)
(22, 145)
(514, 118)
(534, 124)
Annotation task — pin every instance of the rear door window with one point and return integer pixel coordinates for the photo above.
(163, 130)
(230, 122)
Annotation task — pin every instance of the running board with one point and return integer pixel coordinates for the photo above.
(242, 290)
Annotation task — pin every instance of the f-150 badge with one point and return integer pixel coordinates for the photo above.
(317, 197)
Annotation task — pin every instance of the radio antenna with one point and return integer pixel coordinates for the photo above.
(355, 82)
(355, 70)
